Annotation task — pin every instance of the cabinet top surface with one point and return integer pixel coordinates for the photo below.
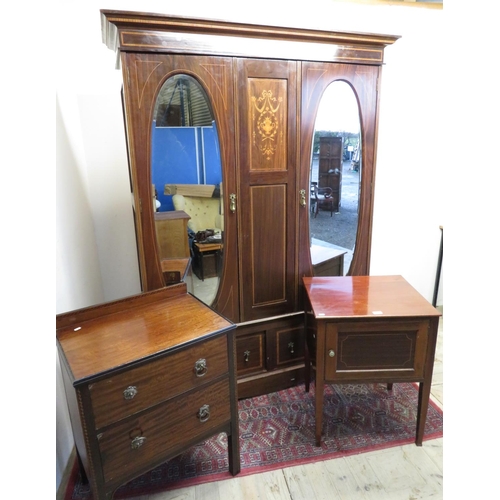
(365, 296)
(101, 344)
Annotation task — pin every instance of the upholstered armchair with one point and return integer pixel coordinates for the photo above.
(205, 212)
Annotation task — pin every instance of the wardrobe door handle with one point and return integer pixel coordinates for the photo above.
(232, 202)
(302, 197)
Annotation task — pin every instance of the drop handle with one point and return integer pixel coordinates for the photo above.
(201, 367)
(130, 392)
(203, 413)
(291, 345)
(232, 202)
(246, 356)
(137, 442)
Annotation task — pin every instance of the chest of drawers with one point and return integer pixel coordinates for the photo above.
(146, 378)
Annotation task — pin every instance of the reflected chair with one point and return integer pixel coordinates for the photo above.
(322, 196)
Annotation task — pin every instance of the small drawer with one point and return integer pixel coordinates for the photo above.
(139, 388)
(139, 443)
(289, 345)
(250, 353)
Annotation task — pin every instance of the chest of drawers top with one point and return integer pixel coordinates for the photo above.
(98, 340)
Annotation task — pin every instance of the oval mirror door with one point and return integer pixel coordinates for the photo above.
(187, 183)
(335, 173)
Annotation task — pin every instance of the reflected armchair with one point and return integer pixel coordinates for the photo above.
(204, 212)
(322, 196)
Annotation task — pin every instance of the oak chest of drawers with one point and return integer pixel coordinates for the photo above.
(146, 378)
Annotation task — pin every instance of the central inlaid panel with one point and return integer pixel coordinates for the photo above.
(267, 117)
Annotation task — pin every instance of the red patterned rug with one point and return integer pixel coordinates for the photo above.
(277, 430)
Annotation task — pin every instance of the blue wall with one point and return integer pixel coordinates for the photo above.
(184, 155)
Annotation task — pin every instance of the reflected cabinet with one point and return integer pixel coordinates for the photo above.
(262, 86)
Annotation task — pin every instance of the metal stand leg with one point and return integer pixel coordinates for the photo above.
(438, 272)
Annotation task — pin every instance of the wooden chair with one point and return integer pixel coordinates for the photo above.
(322, 196)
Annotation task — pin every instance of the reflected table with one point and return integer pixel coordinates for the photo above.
(206, 259)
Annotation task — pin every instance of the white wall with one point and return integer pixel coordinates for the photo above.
(96, 254)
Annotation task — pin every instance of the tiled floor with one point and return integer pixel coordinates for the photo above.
(405, 472)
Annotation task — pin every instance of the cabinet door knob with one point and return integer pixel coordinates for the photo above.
(203, 413)
(331, 353)
(130, 392)
(200, 367)
(137, 442)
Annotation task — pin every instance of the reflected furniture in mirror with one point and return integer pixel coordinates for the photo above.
(263, 86)
(327, 261)
(322, 198)
(146, 378)
(336, 142)
(173, 246)
(331, 152)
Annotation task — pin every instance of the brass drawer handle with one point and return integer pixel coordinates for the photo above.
(137, 442)
(200, 367)
(130, 392)
(203, 413)
(246, 356)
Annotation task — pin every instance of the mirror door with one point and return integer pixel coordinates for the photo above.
(334, 181)
(329, 159)
(149, 89)
(187, 183)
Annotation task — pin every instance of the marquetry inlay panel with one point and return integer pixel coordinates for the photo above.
(219, 77)
(144, 70)
(268, 119)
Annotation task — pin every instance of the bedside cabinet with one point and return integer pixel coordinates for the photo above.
(146, 378)
(369, 329)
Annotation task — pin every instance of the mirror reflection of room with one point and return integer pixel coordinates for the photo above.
(335, 174)
(187, 184)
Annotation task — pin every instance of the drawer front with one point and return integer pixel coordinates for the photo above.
(289, 345)
(139, 388)
(250, 353)
(141, 442)
(375, 350)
